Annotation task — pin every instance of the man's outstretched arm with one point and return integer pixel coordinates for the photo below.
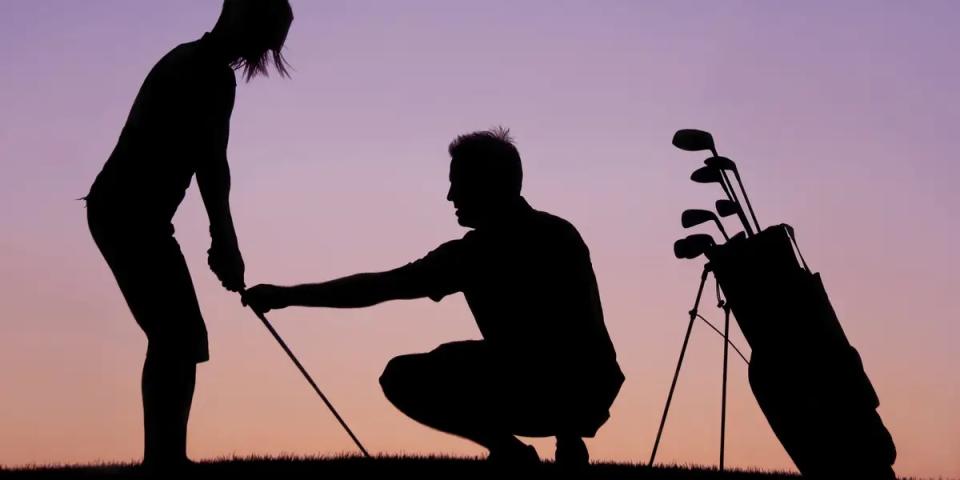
(354, 291)
(436, 275)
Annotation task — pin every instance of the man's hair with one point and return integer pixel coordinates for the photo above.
(493, 155)
(267, 22)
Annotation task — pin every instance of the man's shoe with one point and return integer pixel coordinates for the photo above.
(520, 456)
(571, 452)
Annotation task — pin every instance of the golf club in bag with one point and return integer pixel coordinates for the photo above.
(808, 380)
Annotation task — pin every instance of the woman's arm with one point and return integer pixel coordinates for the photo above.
(213, 180)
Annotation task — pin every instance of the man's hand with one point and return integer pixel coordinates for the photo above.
(263, 298)
(227, 264)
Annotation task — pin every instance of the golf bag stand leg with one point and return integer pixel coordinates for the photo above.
(683, 351)
(723, 402)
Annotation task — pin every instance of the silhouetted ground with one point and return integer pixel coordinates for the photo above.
(387, 467)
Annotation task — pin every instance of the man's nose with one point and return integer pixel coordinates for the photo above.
(450, 194)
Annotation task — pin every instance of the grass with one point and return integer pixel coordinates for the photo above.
(384, 467)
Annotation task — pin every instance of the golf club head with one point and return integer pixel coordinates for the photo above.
(706, 175)
(693, 140)
(721, 163)
(693, 217)
(693, 246)
(726, 208)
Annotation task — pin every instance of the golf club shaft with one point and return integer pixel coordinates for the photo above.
(313, 384)
(676, 374)
(732, 195)
(747, 200)
(723, 231)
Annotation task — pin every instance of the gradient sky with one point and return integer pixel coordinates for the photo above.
(840, 114)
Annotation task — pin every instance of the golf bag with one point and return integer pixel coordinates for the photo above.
(807, 378)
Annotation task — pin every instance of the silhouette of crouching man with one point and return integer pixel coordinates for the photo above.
(546, 365)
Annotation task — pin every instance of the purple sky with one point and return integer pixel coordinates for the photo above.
(840, 114)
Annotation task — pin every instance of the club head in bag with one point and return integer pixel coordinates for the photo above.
(693, 140)
(726, 208)
(721, 163)
(693, 246)
(694, 217)
(725, 164)
(707, 175)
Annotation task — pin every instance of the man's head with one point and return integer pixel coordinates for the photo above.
(255, 31)
(485, 176)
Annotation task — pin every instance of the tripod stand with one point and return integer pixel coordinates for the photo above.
(694, 313)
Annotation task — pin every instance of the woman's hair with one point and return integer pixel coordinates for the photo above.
(263, 26)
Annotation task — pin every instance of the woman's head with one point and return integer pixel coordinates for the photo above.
(256, 31)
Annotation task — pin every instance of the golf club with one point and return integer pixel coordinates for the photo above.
(692, 246)
(723, 164)
(693, 140)
(714, 175)
(710, 175)
(725, 208)
(313, 384)
(694, 217)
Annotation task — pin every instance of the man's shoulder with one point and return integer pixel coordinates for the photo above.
(554, 225)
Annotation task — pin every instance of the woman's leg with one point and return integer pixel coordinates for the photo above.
(153, 277)
(167, 387)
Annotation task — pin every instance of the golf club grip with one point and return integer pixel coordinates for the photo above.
(313, 384)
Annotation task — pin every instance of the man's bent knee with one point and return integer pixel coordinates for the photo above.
(395, 379)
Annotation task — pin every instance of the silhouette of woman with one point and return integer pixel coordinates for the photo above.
(178, 127)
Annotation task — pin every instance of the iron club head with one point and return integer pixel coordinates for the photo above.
(707, 175)
(726, 208)
(694, 217)
(693, 246)
(721, 163)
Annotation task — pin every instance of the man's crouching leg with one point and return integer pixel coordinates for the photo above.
(448, 389)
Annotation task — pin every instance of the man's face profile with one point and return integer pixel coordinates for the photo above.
(466, 194)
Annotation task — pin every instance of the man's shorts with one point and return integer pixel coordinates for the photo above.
(471, 378)
(152, 275)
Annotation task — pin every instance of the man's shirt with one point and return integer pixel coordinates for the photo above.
(531, 287)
